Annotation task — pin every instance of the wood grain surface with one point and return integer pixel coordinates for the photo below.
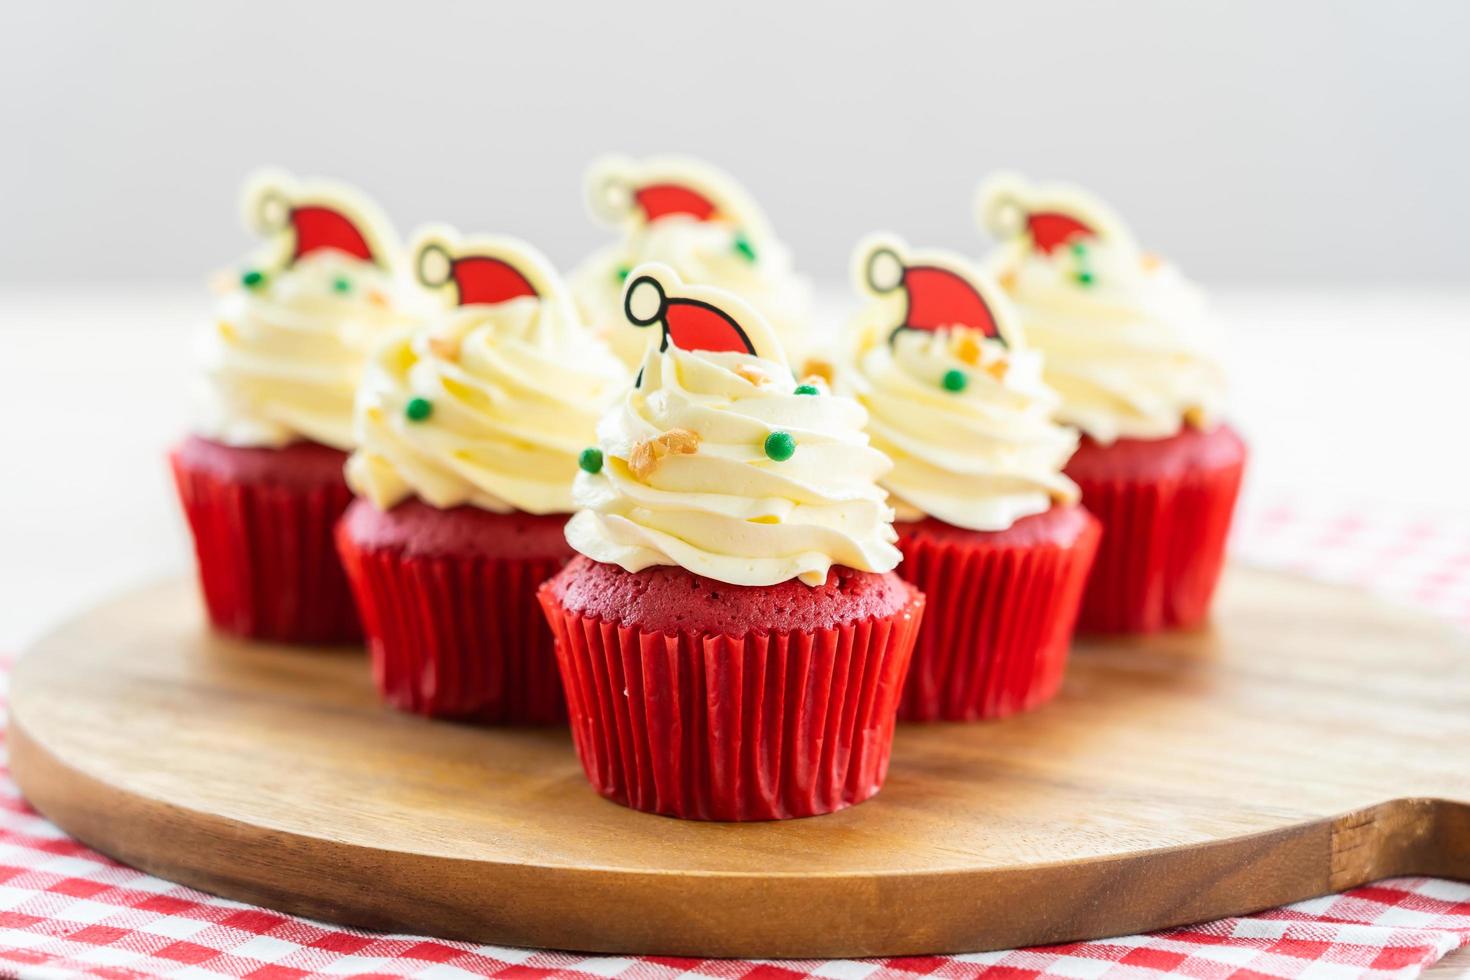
(1313, 739)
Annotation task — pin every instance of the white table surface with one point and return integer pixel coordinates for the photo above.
(1357, 396)
(1348, 395)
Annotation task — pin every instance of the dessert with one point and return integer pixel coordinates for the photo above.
(699, 222)
(1130, 350)
(470, 428)
(990, 528)
(732, 638)
(261, 477)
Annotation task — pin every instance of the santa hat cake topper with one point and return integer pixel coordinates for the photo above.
(1046, 217)
(696, 318)
(306, 217)
(633, 194)
(484, 270)
(940, 291)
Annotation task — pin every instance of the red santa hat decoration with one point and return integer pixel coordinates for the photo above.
(1046, 217)
(308, 217)
(696, 318)
(486, 270)
(634, 194)
(939, 291)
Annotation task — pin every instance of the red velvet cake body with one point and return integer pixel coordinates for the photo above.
(448, 603)
(262, 521)
(693, 698)
(1001, 608)
(1166, 507)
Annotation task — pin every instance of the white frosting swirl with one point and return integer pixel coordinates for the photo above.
(1130, 351)
(514, 393)
(282, 360)
(704, 252)
(727, 511)
(980, 458)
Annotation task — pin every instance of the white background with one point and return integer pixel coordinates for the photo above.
(1253, 141)
(1306, 161)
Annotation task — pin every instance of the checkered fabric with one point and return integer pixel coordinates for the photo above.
(66, 911)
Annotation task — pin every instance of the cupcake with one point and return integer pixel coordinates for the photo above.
(699, 222)
(990, 529)
(261, 477)
(1129, 349)
(732, 638)
(469, 428)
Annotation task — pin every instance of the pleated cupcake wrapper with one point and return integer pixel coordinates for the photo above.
(713, 727)
(1162, 549)
(998, 626)
(458, 637)
(267, 565)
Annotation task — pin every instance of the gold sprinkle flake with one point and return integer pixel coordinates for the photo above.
(998, 368)
(816, 367)
(377, 299)
(444, 347)
(646, 455)
(227, 332)
(753, 374)
(1150, 262)
(964, 343)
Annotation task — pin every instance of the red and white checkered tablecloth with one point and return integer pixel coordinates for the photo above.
(66, 911)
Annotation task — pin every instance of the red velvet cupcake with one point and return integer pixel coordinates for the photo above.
(448, 604)
(262, 521)
(262, 483)
(700, 699)
(989, 527)
(470, 428)
(1166, 505)
(1131, 352)
(734, 642)
(998, 634)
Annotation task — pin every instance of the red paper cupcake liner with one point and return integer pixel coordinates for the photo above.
(267, 565)
(457, 636)
(1001, 610)
(706, 726)
(1164, 530)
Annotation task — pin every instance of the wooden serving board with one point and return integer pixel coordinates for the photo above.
(1313, 740)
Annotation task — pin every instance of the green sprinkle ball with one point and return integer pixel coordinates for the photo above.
(342, 285)
(954, 380)
(1079, 249)
(780, 446)
(742, 245)
(623, 272)
(418, 409)
(1084, 278)
(590, 460)
(253, 279)
(807, 390)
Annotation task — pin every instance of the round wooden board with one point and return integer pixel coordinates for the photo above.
(1312, 740)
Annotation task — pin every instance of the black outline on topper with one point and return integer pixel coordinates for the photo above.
(661, 317)
(908, 297)
(451, 262)
(353, 207)
(291, 209)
